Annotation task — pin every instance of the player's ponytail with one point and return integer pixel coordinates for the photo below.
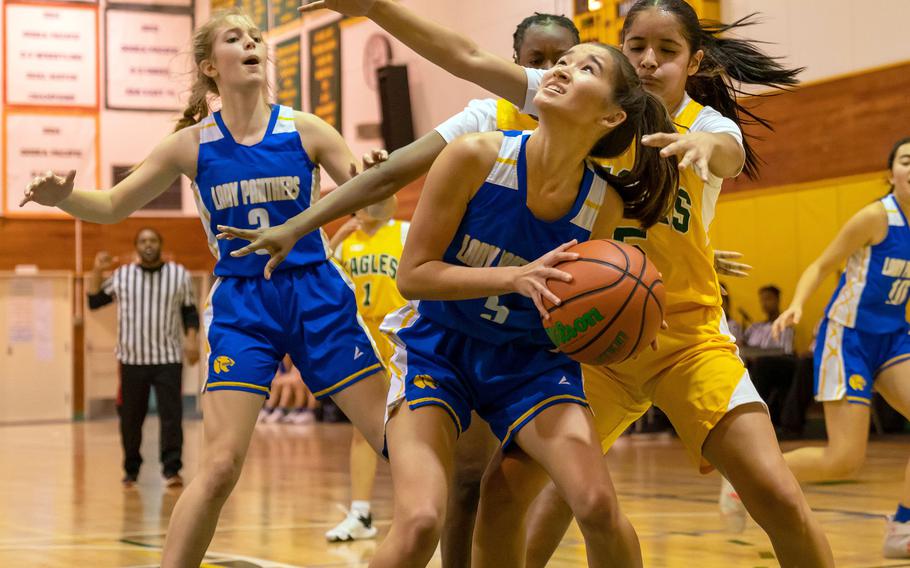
(727, 66)
(649, 189)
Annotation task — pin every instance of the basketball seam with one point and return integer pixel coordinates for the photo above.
(621, 309)
(607, 287)
(641, 326)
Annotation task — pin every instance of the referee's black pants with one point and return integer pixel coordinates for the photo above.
(135, 384)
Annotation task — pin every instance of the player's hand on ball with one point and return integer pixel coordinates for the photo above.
(49, 189)
(789, 318)
(531, 279)
(276, 241)
(346, 7)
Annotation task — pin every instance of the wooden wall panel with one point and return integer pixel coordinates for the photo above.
(831, 129)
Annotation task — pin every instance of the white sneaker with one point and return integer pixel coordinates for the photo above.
(353, 527)
(274, 417)
(303, 417)
(731, 508)
(897, 539)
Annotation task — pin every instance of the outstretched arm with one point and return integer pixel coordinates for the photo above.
(176, 154)
(866, 227)
(457, 54)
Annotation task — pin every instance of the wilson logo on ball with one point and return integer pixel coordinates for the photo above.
(561, 334)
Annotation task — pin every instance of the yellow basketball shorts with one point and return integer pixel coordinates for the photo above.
(695, 377)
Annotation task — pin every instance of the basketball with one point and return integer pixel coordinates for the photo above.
(612, 308)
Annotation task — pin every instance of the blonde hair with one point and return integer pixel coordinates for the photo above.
(197, 107)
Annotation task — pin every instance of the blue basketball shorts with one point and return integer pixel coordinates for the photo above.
(847, 360)
(507, 385)
(309, 313)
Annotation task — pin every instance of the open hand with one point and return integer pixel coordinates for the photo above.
(49, 189)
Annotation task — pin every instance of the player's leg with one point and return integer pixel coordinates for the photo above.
(228, 418)
(241, 365)
(744, 448)
(847, 426)
(359, 522)
(421, 445)
(562, 439)
(473, 451)
(509, 486)
(616, 405)
(893, 383)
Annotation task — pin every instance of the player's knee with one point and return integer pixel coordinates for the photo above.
(221, 474)
(844, 464)
(596, 508)
(422, 528)
(781, 501)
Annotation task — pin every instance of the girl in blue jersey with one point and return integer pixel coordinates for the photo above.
(863, 342)
(254, 164)
(491, 204)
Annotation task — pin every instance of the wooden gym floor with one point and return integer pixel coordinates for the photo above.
(61, 503)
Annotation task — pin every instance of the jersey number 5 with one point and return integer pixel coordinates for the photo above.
(500, 313)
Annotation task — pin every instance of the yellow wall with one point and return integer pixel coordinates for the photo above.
(781, 231)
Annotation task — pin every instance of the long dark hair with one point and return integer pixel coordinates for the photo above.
(649, 189)
(727, 64)
(539, 19)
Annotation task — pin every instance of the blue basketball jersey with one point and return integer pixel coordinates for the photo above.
(498, 229)
(261, 185)
(872, 293)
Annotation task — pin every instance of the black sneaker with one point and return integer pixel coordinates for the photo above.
(129, 480)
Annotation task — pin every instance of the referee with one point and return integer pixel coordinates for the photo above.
(153, 298)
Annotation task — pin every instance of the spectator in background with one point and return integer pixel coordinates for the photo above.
(758, 335)
(153, 298)
(736, 329)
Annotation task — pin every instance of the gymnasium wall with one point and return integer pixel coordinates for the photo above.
(825, 159)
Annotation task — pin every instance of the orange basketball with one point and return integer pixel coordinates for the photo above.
(613, 307)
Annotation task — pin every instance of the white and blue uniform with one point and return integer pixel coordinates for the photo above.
(865, 329)
(492, 355)
(307, 309)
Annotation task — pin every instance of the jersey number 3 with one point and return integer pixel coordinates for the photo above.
(259, 218)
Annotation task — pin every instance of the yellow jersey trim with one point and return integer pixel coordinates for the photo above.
(209, 385)
(347, 379)
(858, 400)
(536, 408)
(437, 402)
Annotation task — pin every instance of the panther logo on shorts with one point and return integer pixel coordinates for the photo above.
(857, 382)
(222, 364)
(425, 381)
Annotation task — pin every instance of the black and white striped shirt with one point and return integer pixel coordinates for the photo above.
(153, 308)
